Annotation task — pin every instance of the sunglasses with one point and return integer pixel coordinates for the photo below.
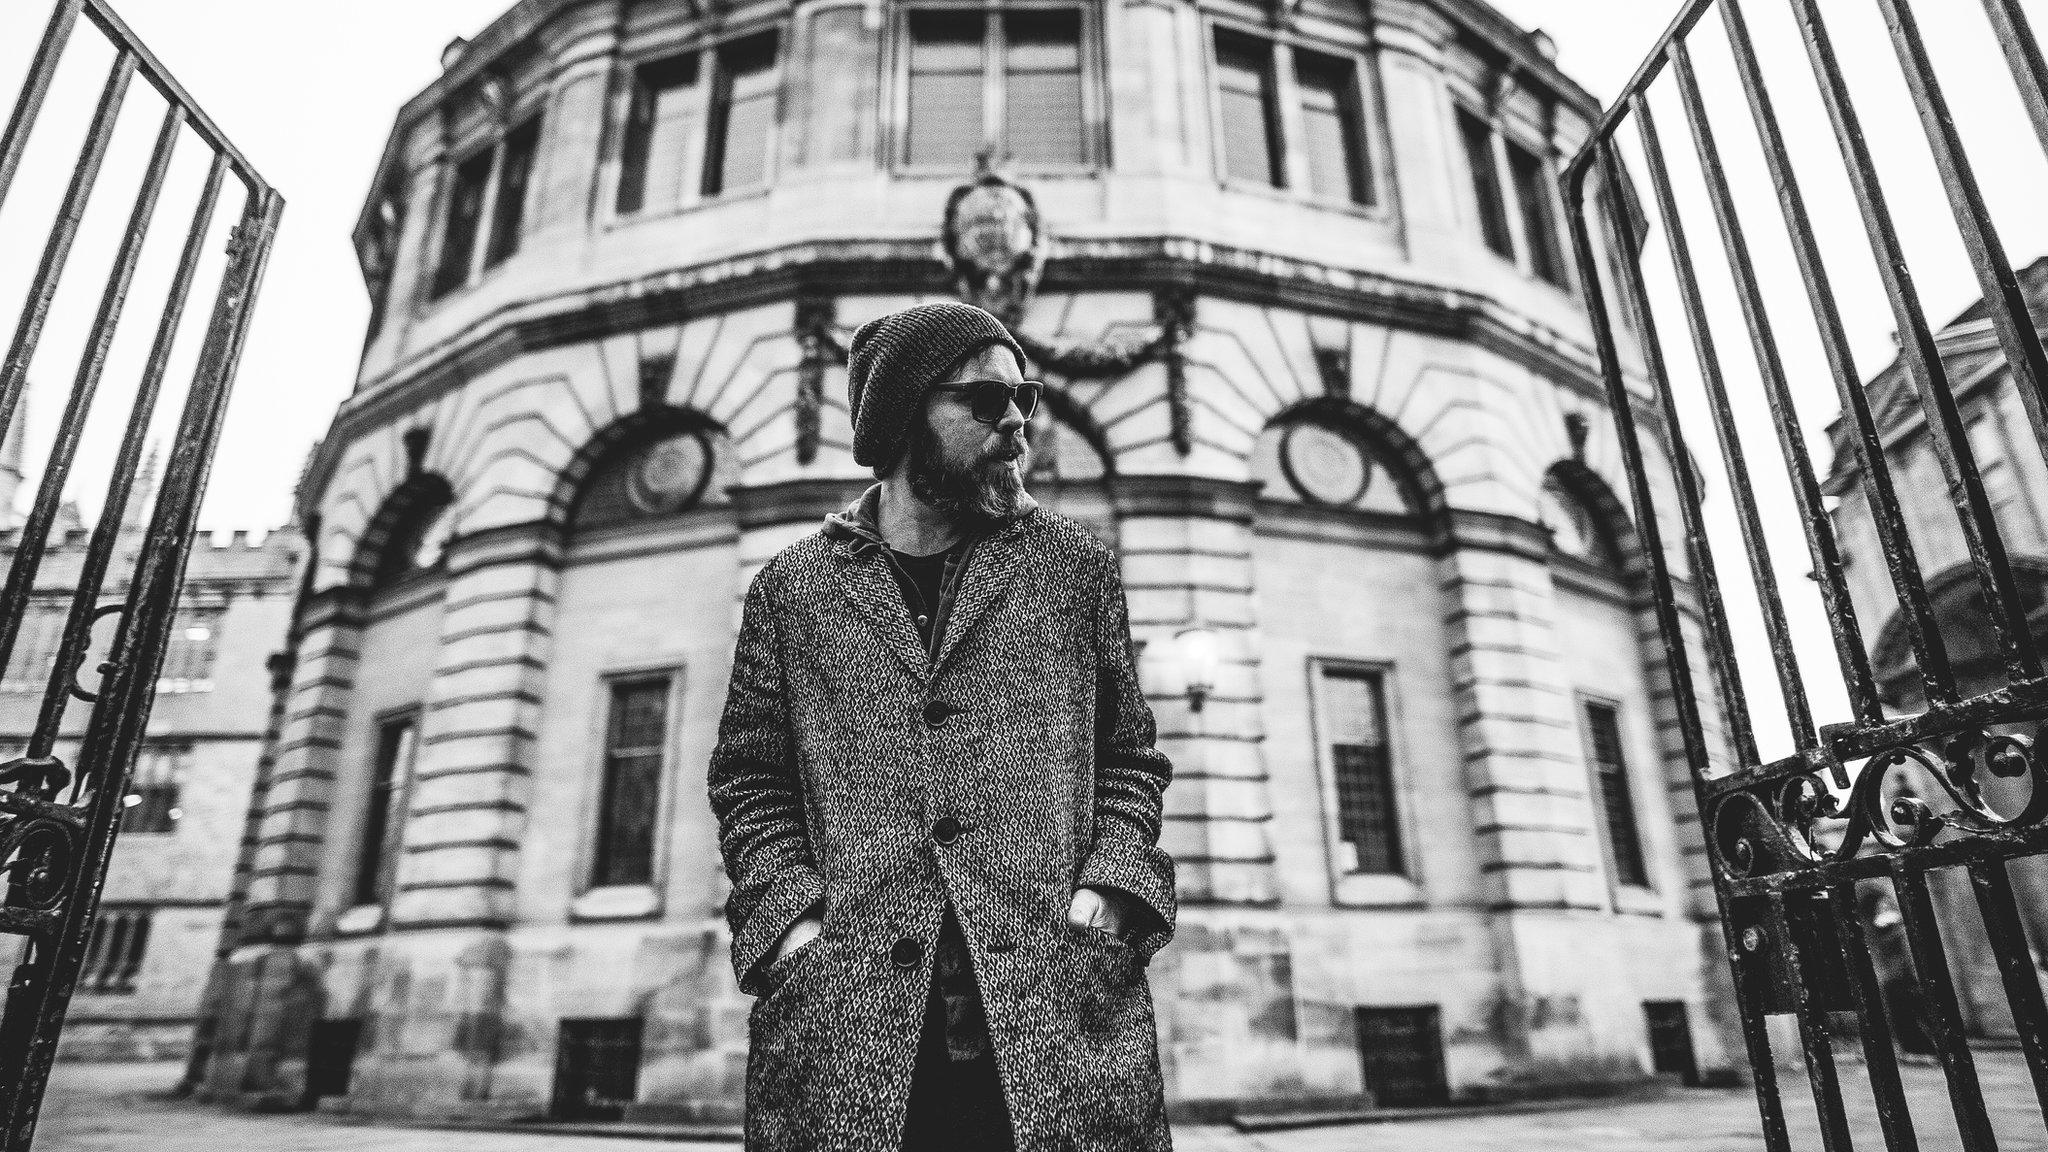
(988, 400)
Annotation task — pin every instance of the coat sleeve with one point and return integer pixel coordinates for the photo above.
(758, 797)
(1130, 778)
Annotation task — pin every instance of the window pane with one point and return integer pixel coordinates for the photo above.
(742, 116)
(1332, 127)
(1477, 136)
(155, 785)
(666, 108)
(1244, 69)
(515, 173)
(1539, 226)
(636, 739)
(113, 958)
(837, 121)
(395, 742)
(465, 207)
(1042, 79)
(1368, 821)
(1617, 803)
(946, 93)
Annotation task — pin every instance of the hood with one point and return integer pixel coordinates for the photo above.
(859, 523)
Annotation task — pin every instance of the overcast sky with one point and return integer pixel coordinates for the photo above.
(309, 92)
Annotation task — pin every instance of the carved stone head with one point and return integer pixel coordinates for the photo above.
(995, 243)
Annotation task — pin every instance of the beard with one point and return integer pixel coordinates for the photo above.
(984, 490)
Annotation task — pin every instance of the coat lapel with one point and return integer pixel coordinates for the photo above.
(990, 569)
(865, 576)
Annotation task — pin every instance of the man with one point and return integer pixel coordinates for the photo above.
(937, 794)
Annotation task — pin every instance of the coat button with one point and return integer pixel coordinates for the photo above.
(948, 829)
(906, 953)
(936, 712)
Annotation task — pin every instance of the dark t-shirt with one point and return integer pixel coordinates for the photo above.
(922, 579)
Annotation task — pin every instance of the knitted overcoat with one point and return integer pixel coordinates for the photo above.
(856, 771)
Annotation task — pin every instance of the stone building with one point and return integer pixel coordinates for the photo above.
(2001, 439)
(1323, 375)
(160, 917)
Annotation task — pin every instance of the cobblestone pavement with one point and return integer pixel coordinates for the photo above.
(119, 1108)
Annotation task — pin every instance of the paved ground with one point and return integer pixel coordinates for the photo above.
(118, 1108)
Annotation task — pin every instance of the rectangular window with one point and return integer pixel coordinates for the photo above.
(946, 126)
(397, 741)
(189, 656)
(1671, 1040)
(1402, 1050)
(742, 116)
(1333, 127)
(597, 1069)
(636, 743)
(465, 212)
(667, 106)
(1251, 137)
(1539, 216)
(1361, 765)
(1617, 803)
(152, 801)
(331, 1057)
(113, 957)
(1042, 86)
(515, 174)
(1477, 136)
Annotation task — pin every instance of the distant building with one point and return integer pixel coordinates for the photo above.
(1324, 377)
(2015, 477)
(160, 917)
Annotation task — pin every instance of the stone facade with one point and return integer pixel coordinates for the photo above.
(1336, 406)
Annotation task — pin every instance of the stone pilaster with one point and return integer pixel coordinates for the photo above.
(583, 45)
(1187, 563)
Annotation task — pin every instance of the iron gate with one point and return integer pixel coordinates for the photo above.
(58, 819)
(1795, 909)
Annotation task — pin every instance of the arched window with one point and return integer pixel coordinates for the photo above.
(1324, 462)
(665, 468)
(411, 532)
(1576, 529)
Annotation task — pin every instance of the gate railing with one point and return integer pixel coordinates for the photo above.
(58, 819)
(1794, 899)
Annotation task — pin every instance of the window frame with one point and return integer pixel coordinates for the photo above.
(1618, 889)
(593, 901)
(479, 262)
(1366, 889)
(695, 162)
(1363, 95)
(398, 801)
(134, 958)
(1094, 128)
(1503, 137)
(179, 753)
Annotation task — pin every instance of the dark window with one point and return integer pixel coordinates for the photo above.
(597, 1069)
(152, 801)
(663, 125)
(742, 116)
(515, 174)
(1617, 803)
(396, 741)
(1042, 86)
(947, 50)
(415, 542)
(189, 656)
(1402, 1050)
(1333, 127)
(1477, 137)
(636, 738)
(114, 954)
(1251, 137)
(331, 1057)
(1671, 1040)
(1539, 218)
(1355, 724)
(465, 211)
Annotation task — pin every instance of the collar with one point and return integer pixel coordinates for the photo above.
(857, 527)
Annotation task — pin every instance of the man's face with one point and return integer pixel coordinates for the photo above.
(961, 467)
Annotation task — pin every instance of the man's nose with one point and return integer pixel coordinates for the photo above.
(1011, 420)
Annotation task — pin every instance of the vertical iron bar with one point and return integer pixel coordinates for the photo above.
(1885, 514)
(1816, 1038)
(2010, 25)
(1677, 664)
(119, 719)
(35, 530)
(1944, 1014)
(1777, 626)
(99, 551)
(2003, 300)
(41, 70)
(1921, 358)
(36, 309)
(2016, 966)
(1820, 534)
(1873, 1018)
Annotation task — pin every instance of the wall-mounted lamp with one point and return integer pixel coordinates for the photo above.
(1200, 654)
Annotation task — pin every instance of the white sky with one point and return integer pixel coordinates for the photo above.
(309, 92)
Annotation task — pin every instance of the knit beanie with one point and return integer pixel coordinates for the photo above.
(894, 359)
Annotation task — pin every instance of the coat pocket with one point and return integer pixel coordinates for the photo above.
(778, 972)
